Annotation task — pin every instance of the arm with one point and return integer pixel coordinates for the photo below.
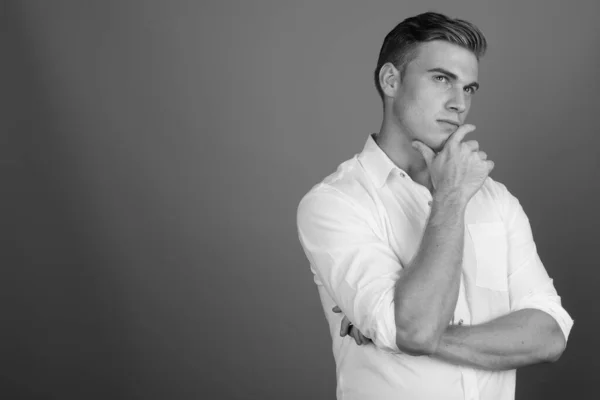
(355, 266)
(515, 340)
(363, 276)
(537, 328)
(425, 295)
(400, 310)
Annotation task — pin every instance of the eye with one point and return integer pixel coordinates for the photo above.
(441, 78)
(469, 90)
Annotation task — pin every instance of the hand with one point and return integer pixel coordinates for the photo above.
(460, 167)
(348, 329)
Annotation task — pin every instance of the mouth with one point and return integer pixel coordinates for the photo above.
(449, 122)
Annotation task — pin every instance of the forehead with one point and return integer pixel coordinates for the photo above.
(441, 54)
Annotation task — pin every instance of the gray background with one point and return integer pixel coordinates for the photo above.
(153, 154)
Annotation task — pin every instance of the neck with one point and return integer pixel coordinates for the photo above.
(396, 143)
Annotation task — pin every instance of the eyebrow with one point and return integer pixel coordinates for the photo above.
(453, 76)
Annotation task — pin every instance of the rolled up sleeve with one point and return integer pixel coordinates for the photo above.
(358, 269)
(529, 284)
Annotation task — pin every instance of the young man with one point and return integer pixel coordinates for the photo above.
(426, 261)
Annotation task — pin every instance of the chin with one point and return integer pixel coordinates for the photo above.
(435, 138)
(437, 148)
(440, 140)
(437, 144)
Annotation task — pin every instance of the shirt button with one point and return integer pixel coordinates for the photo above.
(402, 174)
(429, 203)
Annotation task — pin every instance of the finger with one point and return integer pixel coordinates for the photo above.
(336, 309)
(358, 336)
(425, 151)
(460, 133)
(472, 145)
(363, 338)
(354, 334)
(483, 155)
(344, 328)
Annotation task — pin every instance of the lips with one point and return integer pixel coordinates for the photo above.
(449, 121)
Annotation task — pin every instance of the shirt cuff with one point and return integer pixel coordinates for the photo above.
(384, 334)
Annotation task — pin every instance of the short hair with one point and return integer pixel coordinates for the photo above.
(401, 43)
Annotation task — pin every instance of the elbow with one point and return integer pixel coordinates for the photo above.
(556, 346)
(416, 337)
(554, 355)
(416, 343)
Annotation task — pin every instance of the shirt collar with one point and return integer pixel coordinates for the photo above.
(377, 164)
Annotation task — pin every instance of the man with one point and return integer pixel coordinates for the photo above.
(430, 260)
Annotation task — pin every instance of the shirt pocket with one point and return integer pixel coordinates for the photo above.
(491, 254)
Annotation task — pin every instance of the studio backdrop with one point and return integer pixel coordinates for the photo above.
(153, 154)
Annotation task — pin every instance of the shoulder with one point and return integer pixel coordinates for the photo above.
(347, 190)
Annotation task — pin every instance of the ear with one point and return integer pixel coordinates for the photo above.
(389, 79)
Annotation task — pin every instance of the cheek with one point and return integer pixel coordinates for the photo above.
(418, 107)
(424, 108)
(410, 114)
(428, 101)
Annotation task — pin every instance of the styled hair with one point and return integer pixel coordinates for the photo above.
(401, 44)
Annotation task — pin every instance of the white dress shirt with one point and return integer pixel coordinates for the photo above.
(362, 224)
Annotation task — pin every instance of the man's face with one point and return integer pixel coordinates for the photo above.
(434, 97)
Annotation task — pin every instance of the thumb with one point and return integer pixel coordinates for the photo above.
(425, 151)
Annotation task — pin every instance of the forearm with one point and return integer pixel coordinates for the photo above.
(515, 340)
(426, 294)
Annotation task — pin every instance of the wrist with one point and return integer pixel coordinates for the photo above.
(451, 197)
(448, 206)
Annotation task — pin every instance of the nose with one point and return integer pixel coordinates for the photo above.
(457, 102)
